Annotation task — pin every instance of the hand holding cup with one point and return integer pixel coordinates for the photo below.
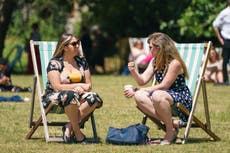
(129, 91)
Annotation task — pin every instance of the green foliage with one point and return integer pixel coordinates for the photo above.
(196, 20)
(183, 20)
(133, 17)
(50, 16)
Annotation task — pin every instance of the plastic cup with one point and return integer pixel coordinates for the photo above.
(128, 87)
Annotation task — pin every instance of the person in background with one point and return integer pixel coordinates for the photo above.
(213, 71)
(69, 84)
(5, 78)
(34, 35)
(98, 50)
(86, 43)
(221, 27)
(170, 72)
(139, 55)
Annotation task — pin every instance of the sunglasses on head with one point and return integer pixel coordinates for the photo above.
(75, 43)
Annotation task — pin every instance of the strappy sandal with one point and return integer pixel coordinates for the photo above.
(166, 142)
(65, 138)
(173, 140)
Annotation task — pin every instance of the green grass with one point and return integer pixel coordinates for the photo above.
(117, 111)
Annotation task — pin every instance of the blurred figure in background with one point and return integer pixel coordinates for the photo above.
(5, 78)
(98, 50)
(139, 55)
(221, 27)
(34, 35)
(86, 43)
(213, 71)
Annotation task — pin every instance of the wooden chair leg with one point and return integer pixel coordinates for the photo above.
(38, 122)
(32, 102)
(144, 119)
(94, 128)
(199, 123)
(157, 122)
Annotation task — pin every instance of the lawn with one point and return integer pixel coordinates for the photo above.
(117, 111)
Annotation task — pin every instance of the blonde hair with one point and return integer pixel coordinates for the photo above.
(63, 41)
(167, 52)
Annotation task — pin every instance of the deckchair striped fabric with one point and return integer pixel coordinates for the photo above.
(192, 54)
(46, 50)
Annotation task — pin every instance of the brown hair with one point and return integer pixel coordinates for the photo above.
(167, 52)
(63, 41)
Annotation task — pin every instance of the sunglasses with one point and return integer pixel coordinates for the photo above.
(75, 43)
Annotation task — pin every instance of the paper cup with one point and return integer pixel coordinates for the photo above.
(128, 86)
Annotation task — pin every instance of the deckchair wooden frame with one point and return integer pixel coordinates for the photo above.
(42, 121)
(193, 121)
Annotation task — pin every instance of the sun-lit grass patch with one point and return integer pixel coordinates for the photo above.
(117, 111)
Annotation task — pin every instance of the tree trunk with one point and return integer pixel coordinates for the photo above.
(73, 17)
(6, 9)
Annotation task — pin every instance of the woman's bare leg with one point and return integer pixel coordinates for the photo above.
(144, 103)
(162, 102)
(72, 112)
(85, 110)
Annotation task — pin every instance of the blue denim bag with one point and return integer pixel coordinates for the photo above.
(131, 135)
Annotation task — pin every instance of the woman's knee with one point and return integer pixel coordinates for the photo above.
(156, 96)
(68, 97)
(140, 97)
(92, 98)
(161, 96)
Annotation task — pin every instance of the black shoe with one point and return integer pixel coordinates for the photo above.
(219, 84)
(65, 138)
(83, 141)
(28, 89)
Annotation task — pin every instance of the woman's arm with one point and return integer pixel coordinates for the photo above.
(143, 78)
(54, 78)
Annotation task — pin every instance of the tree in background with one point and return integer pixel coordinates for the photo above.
(6, 9)
(183, 20)
(195, 22)
(17, 16)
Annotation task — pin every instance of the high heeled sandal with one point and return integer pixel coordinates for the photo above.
(64, 137)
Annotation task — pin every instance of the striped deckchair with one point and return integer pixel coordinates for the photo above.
(46, 50)
(195, 56)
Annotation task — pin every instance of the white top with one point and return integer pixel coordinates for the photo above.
(222, 21)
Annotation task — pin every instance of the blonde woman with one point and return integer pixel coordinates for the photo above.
(170, 72)
(69, 84)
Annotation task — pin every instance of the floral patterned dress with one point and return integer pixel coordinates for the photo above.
(57, 64)
(179, 92)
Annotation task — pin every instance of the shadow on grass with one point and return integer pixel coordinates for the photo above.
(189, 141)
(60, 140)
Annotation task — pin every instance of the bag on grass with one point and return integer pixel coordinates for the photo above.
(131, 135)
